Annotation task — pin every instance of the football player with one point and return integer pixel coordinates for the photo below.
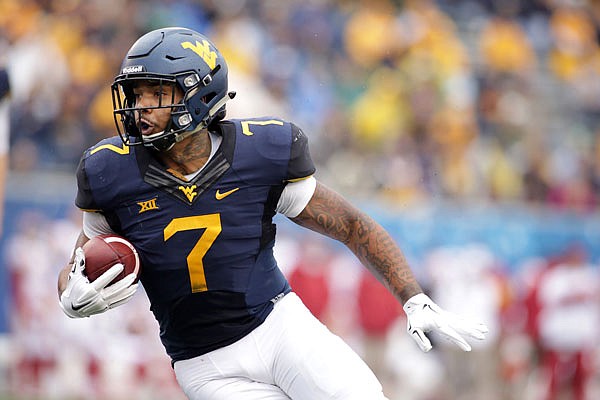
(196, 195)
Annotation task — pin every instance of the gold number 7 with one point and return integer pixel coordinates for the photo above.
(211, 223)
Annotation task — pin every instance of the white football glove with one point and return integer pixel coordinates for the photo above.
(82, 298)
(423, 315)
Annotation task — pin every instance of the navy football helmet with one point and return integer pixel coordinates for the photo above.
(181, 58)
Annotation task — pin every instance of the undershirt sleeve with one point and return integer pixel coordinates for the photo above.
(94, 224)
(295, 197)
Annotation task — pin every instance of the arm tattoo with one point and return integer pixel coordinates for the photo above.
(330, 214)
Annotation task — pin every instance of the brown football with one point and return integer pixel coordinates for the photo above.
(104, 251)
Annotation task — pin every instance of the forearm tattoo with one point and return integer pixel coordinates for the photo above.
(330, 214)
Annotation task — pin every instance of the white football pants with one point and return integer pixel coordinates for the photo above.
(292, 355)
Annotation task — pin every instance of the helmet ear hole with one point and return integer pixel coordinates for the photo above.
(207, 98)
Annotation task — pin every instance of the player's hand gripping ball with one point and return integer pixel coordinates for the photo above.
(107, 279)
(104, 251)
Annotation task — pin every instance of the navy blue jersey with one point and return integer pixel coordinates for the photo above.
(206, 245)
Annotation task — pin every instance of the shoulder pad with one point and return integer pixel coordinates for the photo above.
(107, 146)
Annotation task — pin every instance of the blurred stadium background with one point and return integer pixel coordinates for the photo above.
(469, 129)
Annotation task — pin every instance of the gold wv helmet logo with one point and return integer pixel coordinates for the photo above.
(203, 50)
(189, 191)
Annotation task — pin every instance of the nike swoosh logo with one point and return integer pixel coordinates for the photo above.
(78, 306)
(221, 196)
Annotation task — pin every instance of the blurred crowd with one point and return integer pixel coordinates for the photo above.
(407, 102)
(453, 99)
(544, 320)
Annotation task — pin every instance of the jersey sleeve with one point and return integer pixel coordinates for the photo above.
(103, 174)
(95, 223)
(84, 199)
(300, 165)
